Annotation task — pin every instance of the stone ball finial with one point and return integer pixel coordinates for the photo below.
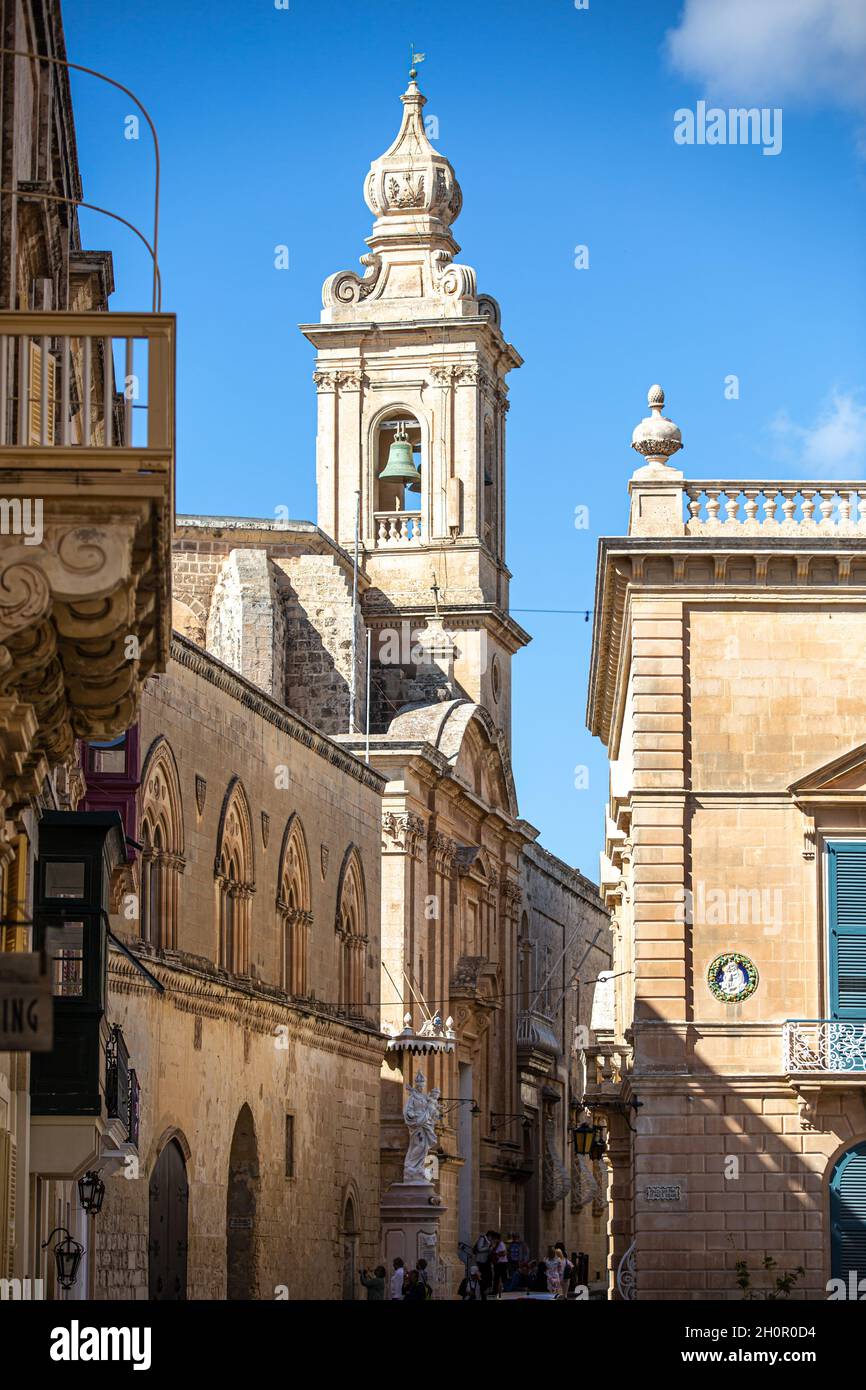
(656, 437)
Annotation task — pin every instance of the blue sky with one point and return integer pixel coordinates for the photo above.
(704, 261)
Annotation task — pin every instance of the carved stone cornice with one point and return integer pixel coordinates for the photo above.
(804, 568)
(443, 852)
(244, 1003)
(512, 897)
(403, 832)
(350, 380)
(77, 637)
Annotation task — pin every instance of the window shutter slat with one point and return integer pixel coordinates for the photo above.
(847, 884)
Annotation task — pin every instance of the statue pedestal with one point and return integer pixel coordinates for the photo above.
(410, 1230)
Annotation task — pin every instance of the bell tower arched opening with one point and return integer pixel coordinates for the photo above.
(397, 483)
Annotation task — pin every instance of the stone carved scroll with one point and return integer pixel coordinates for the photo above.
(346, 287)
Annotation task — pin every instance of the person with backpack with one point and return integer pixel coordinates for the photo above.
(482, 1250)
(413, 1288)
(424, 1277)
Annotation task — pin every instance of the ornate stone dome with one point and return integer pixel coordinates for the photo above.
(411, 180)
(656, 437)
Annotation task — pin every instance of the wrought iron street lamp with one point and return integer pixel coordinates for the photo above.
(91, 1193)
(67, 1257)
(499, 1118)
(448, 1103)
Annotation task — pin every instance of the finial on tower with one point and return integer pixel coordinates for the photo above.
(656, 437)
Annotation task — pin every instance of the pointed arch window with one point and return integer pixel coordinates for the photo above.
(234, 875)
(294, 915)
(351, 927)
(161, 835)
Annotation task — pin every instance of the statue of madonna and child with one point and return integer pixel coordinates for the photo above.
(422, 1114)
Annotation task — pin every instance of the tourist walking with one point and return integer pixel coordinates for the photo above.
(397, 1279)
(555, 1266)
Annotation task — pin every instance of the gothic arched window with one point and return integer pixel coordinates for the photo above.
(234, 874)
(161, 834)
(351, 927)
(294, 913)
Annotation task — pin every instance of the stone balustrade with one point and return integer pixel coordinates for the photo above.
(783, 508)
(397, 528)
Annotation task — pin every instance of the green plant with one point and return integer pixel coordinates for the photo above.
(782, 1283)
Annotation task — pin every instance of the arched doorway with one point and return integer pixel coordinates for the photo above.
(349, 1235)
(848, 1214)
(168, 1216)
(241, 1198)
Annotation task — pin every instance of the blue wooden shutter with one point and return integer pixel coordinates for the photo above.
(847, 882)
(848, 1214)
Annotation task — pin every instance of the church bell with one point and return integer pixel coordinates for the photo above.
(400, 467)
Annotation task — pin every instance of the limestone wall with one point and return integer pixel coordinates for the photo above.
(214, 1043)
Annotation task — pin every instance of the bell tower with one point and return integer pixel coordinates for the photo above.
(412, 403)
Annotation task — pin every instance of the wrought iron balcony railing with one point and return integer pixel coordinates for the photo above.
(134, 1106)
(118, 1086)
(824, 1046)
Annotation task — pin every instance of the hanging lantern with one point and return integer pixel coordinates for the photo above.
(91, 1193)
(401, 468)
(67, 1257)
(598, 1147)
(583, 1137)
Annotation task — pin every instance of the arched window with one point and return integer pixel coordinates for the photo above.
(351, 927)
(234, 874)
(294, 914)
(161, 833)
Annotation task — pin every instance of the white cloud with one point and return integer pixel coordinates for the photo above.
(767, 52)
(833, 446)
